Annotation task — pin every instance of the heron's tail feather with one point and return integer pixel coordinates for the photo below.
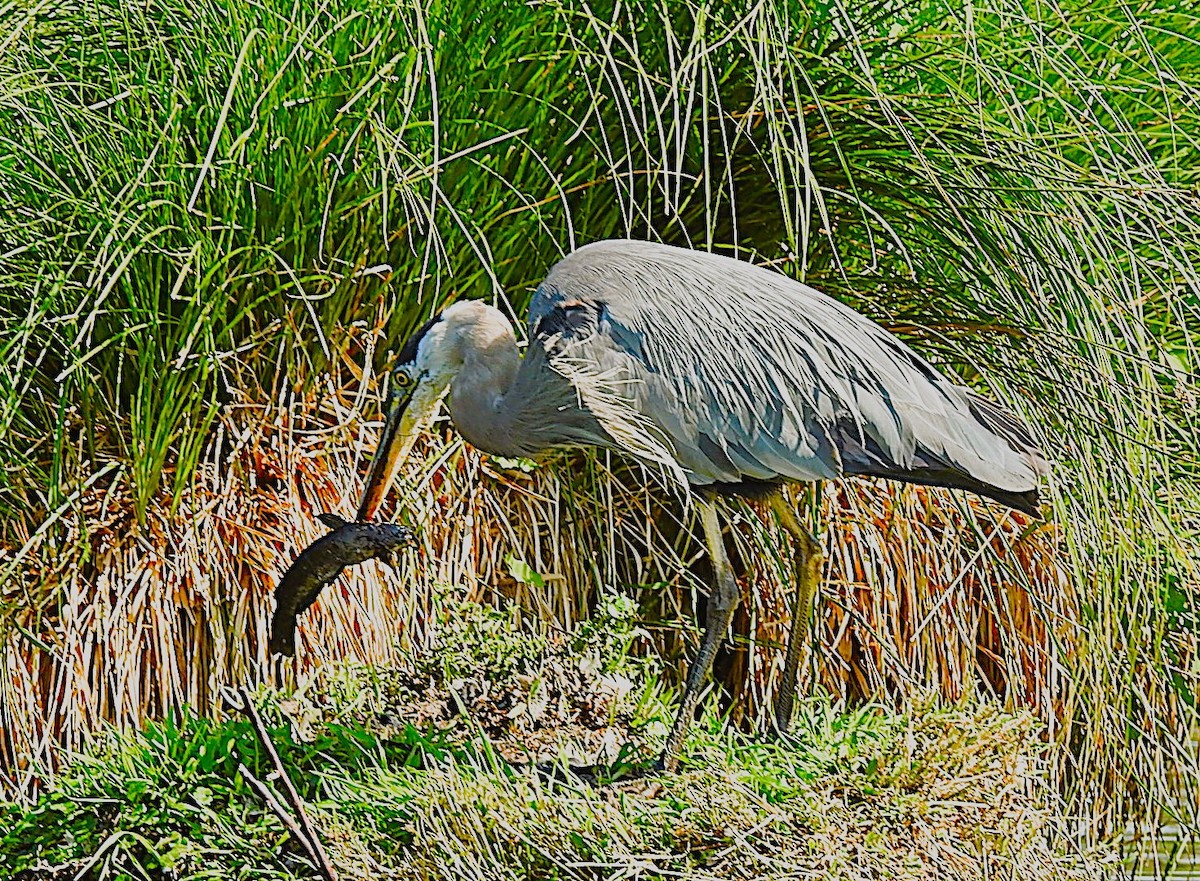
(862, 454)
(1004, 424)
(1027, 502)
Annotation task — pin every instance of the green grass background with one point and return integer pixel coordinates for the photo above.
(196, 199)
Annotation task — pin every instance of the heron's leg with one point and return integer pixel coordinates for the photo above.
(722, 602)
(808, 562)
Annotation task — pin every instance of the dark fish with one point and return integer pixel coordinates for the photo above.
(321, 562)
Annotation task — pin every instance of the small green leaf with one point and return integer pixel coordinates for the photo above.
(523, 572)
(526, 466)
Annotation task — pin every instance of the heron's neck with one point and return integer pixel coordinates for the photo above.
(512, 406)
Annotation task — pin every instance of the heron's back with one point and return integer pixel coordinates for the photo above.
(749, 376)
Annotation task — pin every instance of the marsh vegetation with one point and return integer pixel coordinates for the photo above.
(496, 754)
(219, 216)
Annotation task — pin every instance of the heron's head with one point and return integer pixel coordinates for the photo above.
(425, 368)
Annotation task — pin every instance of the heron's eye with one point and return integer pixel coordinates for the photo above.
(402, 379)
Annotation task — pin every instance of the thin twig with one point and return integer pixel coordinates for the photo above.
(307, 833)
(268, 795)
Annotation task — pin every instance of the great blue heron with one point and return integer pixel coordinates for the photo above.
(730, 377)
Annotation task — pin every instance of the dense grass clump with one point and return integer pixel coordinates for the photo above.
(854, 795)
(220, 216)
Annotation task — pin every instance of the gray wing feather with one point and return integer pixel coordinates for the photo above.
(746, 373)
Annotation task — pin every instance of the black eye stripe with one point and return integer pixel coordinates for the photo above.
(408, 354)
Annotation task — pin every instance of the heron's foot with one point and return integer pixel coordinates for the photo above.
(562, 772)
(624, 773)
(784, 735)
(594, 776)
(783, 726)
(666, 764)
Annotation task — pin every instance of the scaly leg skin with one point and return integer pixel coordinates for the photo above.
(807, 566)
(721, 604)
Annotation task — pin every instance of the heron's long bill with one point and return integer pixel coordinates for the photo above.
(405, 419)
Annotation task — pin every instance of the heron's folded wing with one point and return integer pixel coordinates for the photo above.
(745, 373)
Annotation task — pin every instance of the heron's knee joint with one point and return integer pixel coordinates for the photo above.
(726, 594)
(723, 603)
(812, 548)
